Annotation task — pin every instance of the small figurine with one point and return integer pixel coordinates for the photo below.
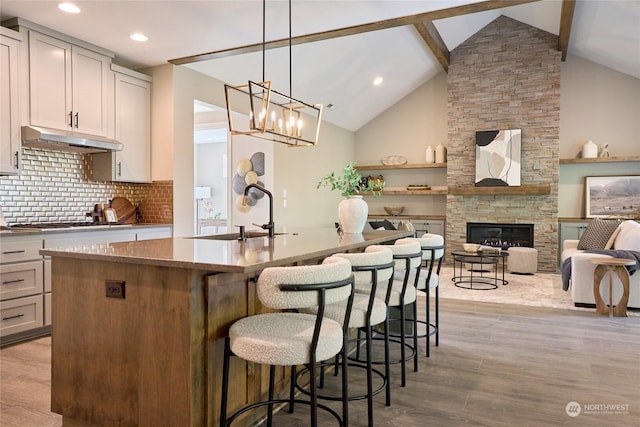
(603, 151)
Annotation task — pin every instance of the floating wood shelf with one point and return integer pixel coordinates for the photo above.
(399, 192)
(601, 160)
(422, 217)
(524, 190)
(405, 166)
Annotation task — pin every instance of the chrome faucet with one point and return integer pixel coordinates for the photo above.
(270, 227)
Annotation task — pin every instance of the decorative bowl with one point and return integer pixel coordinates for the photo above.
(470, 247)
(394, 210)
(394, 160)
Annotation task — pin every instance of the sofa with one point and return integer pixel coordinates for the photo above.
(623, 239)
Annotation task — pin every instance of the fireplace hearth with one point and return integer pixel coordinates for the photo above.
(500, 235)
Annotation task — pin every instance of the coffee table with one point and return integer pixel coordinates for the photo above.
(478, 281)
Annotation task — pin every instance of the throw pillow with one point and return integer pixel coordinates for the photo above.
(628, 237)
(612, 239)
(597, 234)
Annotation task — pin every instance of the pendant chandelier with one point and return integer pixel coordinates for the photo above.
(273, 116)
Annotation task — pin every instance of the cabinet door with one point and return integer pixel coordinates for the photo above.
(49, 82)
(90, 74)
(9, 110)
(133, 129)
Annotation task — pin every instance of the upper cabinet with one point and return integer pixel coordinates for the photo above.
(9, 102)
(132, 92)
(69, 86)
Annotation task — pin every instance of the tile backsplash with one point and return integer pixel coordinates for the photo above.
(56, 186)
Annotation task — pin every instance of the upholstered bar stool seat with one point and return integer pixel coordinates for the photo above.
(289, 338)
(283, 338)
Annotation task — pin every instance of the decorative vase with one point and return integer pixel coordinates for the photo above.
(352, 213)
(441, 154)
(430, 155)
(589, 150)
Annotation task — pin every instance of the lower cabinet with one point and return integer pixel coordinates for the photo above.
(25, 276)
(21, 315)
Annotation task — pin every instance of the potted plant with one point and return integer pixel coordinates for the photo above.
(353, 210)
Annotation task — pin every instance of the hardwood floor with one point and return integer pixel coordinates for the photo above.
(497, 365)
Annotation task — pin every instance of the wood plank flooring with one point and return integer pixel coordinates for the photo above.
(497, 365)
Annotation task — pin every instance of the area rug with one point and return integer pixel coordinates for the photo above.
(539, 290)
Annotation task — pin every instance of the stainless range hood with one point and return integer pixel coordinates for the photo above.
(60, 140)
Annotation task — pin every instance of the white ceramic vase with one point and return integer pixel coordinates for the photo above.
(352, 213)
(441, 154)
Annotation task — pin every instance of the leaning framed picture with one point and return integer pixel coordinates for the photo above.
(110, 215)
(612, 196)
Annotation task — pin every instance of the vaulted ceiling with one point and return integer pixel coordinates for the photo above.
(338, 47)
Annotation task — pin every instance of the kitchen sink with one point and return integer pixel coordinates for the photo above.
(236, 236)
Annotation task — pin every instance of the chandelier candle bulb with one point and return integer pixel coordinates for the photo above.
(273, 120)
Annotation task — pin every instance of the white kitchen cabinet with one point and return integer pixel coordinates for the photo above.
(68, 86)
(21, 285)
(132, 106)
(10, 141)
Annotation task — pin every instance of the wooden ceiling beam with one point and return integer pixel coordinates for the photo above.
(356, 29)
(566, 20)
(432, 38)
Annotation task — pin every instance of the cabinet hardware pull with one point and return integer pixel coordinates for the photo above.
(70, 119)
(13, 317)
(10, 282)
(17, 160)
(119, 168)
(13, 252)
(77, 120)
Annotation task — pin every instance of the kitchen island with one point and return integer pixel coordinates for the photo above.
(139, 327)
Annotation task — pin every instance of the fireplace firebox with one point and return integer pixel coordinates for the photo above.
(500, 235)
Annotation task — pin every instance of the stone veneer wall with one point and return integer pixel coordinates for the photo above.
(507, 76)
(54, 186)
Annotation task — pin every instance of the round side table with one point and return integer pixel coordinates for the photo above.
(617, 266)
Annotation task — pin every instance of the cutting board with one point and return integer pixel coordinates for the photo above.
(125, 210)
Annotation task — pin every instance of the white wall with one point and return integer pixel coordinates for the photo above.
(296, 170)
(598, 104)
(602, 105)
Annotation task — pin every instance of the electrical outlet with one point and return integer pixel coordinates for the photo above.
(115, 288)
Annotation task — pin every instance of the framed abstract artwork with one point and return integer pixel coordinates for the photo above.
(498, 155)
(612, 196)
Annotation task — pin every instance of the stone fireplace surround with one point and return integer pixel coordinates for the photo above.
(506, 76)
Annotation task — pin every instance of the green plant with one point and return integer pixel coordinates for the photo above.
(350, 183)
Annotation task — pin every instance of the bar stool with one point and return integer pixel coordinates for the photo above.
(432, 250)
(400, 292)
(290, 339)
(370, 267)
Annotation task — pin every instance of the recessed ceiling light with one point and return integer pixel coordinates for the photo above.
(69, 8)
(377, 81)
(139, 37)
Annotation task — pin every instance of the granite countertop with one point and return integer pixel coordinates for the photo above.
(251, 255)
